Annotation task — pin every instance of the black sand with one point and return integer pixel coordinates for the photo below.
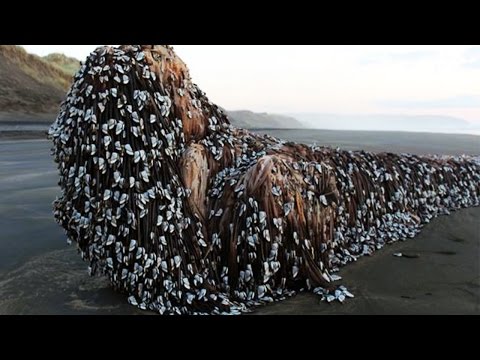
(40, 274)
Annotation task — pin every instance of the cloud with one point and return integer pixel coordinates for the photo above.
(472, 64)
(472, 57)
(465, 101)
(392, 57)
(412, 55)
(473, 52)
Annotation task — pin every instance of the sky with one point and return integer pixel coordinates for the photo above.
(375, 79)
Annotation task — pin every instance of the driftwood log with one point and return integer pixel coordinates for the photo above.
(186, 214)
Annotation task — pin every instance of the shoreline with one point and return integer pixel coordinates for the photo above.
(395, 142)
(443, 279)
(40, 274)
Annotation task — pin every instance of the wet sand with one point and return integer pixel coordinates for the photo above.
(40, 274)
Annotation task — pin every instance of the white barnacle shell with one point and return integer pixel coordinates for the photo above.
(140, 56)
(110, 240)
(107, 195)
(323, 199)
(133, 245)
(136, 157)
(119, 128)
(113, 158)
(129, 150)
(135, 117)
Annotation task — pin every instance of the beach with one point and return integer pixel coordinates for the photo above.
(41, 274)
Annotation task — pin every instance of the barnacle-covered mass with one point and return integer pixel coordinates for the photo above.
(186, 214)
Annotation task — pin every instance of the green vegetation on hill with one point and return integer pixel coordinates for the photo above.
(29, 84)
(63, 62)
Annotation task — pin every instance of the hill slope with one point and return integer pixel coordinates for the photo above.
(251, 120)
(33, 85)
(66, 64)
(29, 84)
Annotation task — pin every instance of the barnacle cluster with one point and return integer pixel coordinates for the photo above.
(186, 214)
